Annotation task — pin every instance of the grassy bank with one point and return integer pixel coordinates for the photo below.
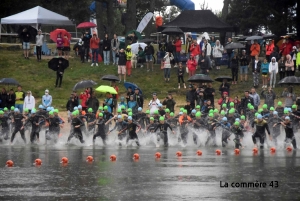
(36, 76)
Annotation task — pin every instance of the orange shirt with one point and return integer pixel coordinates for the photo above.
(255, 49)
(66, 42)
(181, 119)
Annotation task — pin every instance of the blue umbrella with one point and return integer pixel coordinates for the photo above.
(132, 85)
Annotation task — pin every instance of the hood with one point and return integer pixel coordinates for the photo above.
(273, 58)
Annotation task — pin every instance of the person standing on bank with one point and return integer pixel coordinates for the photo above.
(59, 74)
(106, 49)
(26, 45)
(218, 53)
(29, 102)
(20, 95)
(94, 44)
(115, 44)
(59, 45)
(39, 43)
(66, 47)
(244, 61)
(149, 52)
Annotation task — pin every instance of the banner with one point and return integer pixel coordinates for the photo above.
(144, 22)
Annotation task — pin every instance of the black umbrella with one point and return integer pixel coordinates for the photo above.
(234, 46)
(53, 63)
(221, 78)
(269, 36)
(172, 31)
(200, 78)
(84, 84)
(242, 38)
(292, 80)
(110, 78)
(254, 38)
(9, 81)
(32, 32)
(147, 40)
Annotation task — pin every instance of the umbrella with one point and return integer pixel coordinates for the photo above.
(9, 81)
(172, 31)
(200, 78)
(85, 25)
(84, 84)
(132, 85)
(110, 78)
(205, 35)
(106, 89)
(292, 80)
(234, 46)
(242, 38)
(32, 31)
(53, 63)
(269, 36)
(135, 47)
(146, 40)
(137, 34)
(221, 78)
(62, 32)
(254, 38)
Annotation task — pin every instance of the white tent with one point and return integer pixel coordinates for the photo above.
(35, 16)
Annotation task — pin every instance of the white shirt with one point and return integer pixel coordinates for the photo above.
(255, 64)
(29, 102)
(153, 105)
(39, 40)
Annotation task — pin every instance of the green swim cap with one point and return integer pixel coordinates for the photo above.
(167, 110)
(100, 108)
(252, 107)
(161, 118)
(231, 111)
(231, 104)
(105, 107)
(224, 105)
(236, 123)
(26, 110)
(151, 119)
(5, 109)
(256, 114)
(294, 107)
(56, 111)
(172, 114)
(100, 114)
(198, 114)
(198, 107)
(129, 113)
(1, 112)
(129, 110)
(211, 115)
(211, 111)
(222, 113)
(181, 109)
(265, 106)
(260, 110)
(248, 104)
(51, 113)
(77, 112)
(279, 103)
(243, 117)
(74, 113)
(286, 111)
(216, 110)
(12, 108)
(147, 111)
(90, 110)
(122, 107)
(272, 108)
(185, 111)
(156, 112)
(119, 110)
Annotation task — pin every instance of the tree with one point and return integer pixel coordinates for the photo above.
(204, 6)
(131, 16)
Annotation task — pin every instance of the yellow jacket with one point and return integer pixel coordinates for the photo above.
(297, 59)
(128, 55)
(20, 95)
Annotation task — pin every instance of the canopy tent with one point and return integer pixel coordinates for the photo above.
(35, 16)
(198, 21)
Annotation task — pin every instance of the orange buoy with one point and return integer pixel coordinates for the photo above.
(255, 150)
(136, 156)
(178, 153)
(38, 161)
(157, 155)
(9, 163)
(64, 160)
(272, 149)
(289, 148)
(199, 153)
(113, 157)
(237, 151)
(89, 159)
(218, 152)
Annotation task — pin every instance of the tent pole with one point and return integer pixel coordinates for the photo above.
(76, 30)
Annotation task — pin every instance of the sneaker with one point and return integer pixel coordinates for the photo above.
(178, 87)
(175, 66)
(184, 86)
(142, 66)
(92, 64)
(96, 64)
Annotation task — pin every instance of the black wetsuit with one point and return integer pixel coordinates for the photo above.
(140, 119)
(274, 120)
(211, 126)
(120, 126)
(164, 131)
(18, 125)
(35, 127)
(198, 123)
(4, 126)
(131, 127)
(260, 131)
(76, 131)
(225, 133)
(238, 133)
(100, 131)
(289, 134)
(90, 117)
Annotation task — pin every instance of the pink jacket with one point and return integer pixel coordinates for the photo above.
(192, 64)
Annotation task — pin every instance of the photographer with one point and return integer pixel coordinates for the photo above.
(289, 97)
(169, 102)
(269, 96)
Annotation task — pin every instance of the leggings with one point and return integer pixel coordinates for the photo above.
(39, 52)
(212, 135)
(261, 139)
(234, 73)
(293, 141)
(15, 132)
(273, 78)
(281, 75)
(76, 133)
(34, 134)
(59, 78)
(180, 78)
(163, 135)
(128, 67)
(133, 137)
(237, 142)
(167, 72)
(100, 134)
(183, 137)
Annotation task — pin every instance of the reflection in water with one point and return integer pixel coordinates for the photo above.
(189, 177)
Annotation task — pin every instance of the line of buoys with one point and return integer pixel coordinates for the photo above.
(9, 163)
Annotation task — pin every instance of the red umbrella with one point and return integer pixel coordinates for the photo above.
(56, 32)
(85, 25)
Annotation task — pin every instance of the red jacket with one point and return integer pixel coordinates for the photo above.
(220, 101)
(269, 48)
(191, 64)
(195, 49)
(83, 98)
(178, 45)
(94, 43)
(286, 48)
